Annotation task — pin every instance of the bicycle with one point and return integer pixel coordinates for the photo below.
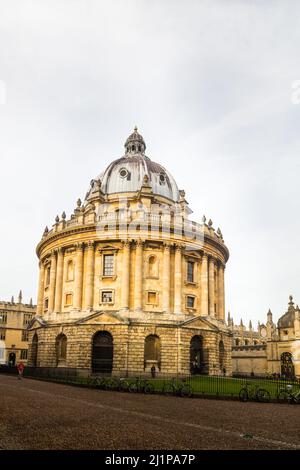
(286, 395)
(179, 387)
(141, 385)
(254, 392)
(124, 385)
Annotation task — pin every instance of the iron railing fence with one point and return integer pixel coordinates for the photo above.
(250, 388)
(5, 369)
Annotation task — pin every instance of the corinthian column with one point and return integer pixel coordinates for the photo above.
(40, 301)
(177, 279)
(221, 293)
(78, 276)
(52, 282)
(211, 286)
(89, 278)
(138, 279)
(125, 276)
(204, 286)
(59, 280)
(166, 279)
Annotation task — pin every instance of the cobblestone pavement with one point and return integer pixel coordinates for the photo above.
(44, 415)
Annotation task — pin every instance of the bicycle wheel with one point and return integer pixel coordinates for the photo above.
(133, 387)
(168, 389)
(186, 391)
(283, 396)
(243, 395)
(148, 388)
(263, 395)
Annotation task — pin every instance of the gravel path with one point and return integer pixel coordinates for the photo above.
(44, 415)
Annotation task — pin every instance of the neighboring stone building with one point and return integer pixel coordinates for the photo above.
(14, 320)
(270, 350)
(128, 281)
(249, 349)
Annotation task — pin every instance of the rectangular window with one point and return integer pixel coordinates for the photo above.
(190, 271)
(25, 335)
(190, 301)
(152, 297)
(26, 319)
(2, 334)
(69, 300)
(46, 304)
(47, 276)
(108, 265)
(107, 296)
(24, 353)
(3, 318)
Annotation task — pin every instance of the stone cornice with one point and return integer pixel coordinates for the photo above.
(75, 230)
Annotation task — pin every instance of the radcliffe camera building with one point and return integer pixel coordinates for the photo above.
(128, 281)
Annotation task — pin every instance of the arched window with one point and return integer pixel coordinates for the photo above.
(34, 350)
(221, 355)
(102, 352)
(237, 342)
(70, 271)
(152, 266)
(197, 365)
(287, 365)
(61, 349)
(246, 342)
(152, 351)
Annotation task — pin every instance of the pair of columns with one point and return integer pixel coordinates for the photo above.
(56, 280)
(210, 284)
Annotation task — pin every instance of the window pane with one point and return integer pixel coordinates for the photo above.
(152, 297)
(190, 302)
(190, 271)
(107, 296)
(108, 265)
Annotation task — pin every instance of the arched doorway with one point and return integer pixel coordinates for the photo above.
(287, 366)
(152, 352)
(12, 359)
(34, 350)
(102, 352)
(196, 355)
(61, 349)
(221, 357)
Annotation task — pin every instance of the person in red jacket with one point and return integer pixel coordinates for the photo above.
(20, 368)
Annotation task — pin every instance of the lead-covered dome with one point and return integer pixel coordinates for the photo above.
(134, 169)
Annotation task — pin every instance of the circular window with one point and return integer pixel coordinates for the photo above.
(162, 178)
(123, 173)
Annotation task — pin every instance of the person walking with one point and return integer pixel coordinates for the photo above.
(153, 371)
(20, 368)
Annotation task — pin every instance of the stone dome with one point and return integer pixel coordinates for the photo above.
(135, 169)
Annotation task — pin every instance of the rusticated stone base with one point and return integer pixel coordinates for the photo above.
(129, 343)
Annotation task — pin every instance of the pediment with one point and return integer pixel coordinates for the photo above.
(192, 254)
(100, 318)
(36, 322)
(199, 322)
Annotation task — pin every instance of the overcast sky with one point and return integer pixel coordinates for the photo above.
(209, 85)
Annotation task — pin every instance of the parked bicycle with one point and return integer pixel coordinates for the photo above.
(179, 387)
(124, 385)
(141, 385)
(254, 392)
(287, 395)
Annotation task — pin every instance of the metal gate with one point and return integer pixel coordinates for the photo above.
(102, 353)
